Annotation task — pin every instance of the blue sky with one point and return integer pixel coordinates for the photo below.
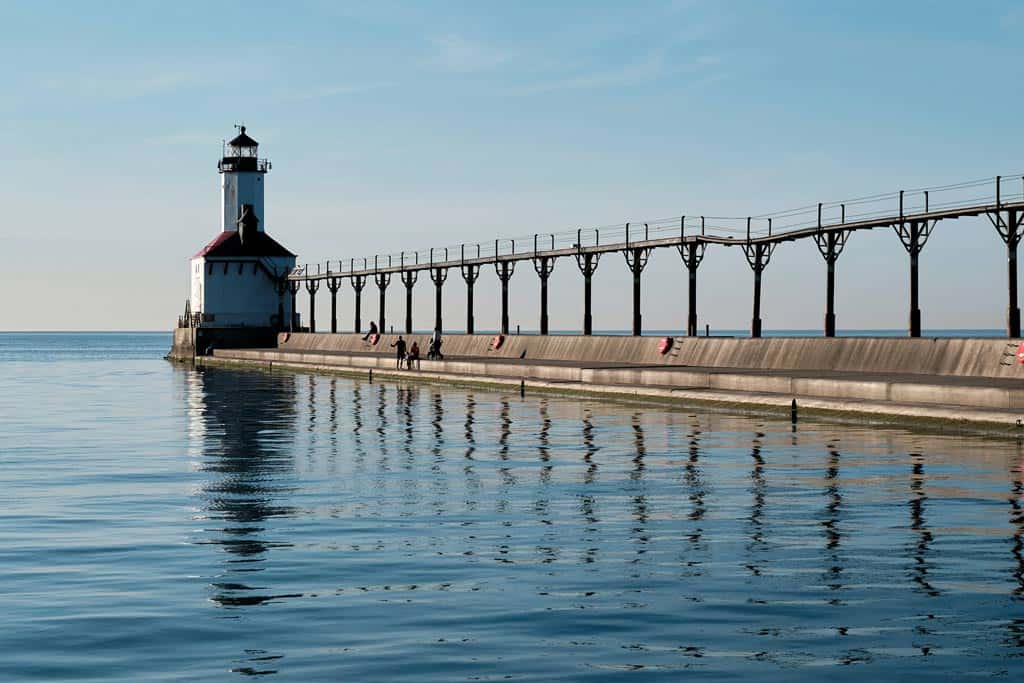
(400, 125)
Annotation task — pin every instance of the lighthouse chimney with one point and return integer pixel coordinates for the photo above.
(242, 173)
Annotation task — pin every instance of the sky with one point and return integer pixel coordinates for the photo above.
(397, 126)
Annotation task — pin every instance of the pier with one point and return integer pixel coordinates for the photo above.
(911, 214)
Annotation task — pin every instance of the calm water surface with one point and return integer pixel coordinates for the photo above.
(161, 523)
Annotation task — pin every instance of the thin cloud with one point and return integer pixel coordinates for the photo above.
(137, 83)
(460, 55)
(319, 92)
(655, 67)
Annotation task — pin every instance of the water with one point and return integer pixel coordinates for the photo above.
(165, 524)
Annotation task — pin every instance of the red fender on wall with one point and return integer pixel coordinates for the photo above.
(497, 341)
(374, 338)
(665, 345)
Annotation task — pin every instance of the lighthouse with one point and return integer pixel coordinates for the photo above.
(238, 280)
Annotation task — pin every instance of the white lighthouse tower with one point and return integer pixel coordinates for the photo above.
(238, 279)
(242, 174)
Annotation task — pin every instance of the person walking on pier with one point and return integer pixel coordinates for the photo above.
(399, 346)
(371, 332)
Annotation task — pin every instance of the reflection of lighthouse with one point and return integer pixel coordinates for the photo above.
(237, 280)
(241, 441)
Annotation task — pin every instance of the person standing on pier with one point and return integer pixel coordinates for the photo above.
(399, 346)
(434, 351)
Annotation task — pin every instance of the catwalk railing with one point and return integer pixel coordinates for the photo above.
(913, 214)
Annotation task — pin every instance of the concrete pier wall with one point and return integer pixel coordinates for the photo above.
(994, 358)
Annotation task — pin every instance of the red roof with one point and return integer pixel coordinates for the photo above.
(229, 244)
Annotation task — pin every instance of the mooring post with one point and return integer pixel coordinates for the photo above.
(408, 279)
(358, 282)
(312, 286)
(382, 280)
(692, 253)
(913, 235)
(293, 288)
(587, 263)
(758, 255)
(504, 269)
(333, 285)
(544, 265)
(1009, 223)
(636, 259)
(438, 276)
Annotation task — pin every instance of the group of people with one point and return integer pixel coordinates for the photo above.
(409, 354)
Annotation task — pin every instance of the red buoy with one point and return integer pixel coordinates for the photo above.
(665, 345)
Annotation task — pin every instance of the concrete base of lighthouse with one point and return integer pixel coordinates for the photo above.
(190, 342)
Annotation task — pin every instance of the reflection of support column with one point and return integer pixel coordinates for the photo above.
(758, 255)
(1009, 223)
(833, 509)
(438, 276)
(587, 263)
(333, 285)
(470, 272)
(293, 288)
(757, 490)
(830, 244)
(913, 234)
(544, 265)
(312, 286)
(504, 269)
(358, 282)
(919, 526)
(636, 259)
(692, 253)
(382, 280)
(408, 279)
(1017, 520)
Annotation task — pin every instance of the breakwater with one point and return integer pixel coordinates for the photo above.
(953, 381)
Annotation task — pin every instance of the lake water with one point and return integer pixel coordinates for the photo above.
(162, 523)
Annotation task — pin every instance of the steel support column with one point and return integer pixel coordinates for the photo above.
(438, 276)
(913, 235)
(544, 265)
(409, 280)
(692, 254)
(758, 255)
(831, 245)
(333, 285)
(587, 263)
(312, 286)
(382, 280)
(504, 269)
(293, 289)
(470, 273)
(358, 282)
(1009, 224)
(636, 259)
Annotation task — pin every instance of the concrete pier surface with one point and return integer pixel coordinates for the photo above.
(954, 383)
